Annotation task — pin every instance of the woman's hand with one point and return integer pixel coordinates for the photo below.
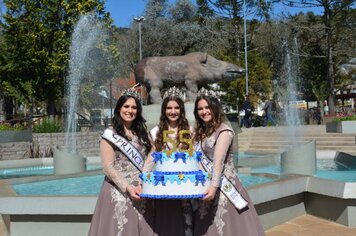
(210, 193)
(134, 192)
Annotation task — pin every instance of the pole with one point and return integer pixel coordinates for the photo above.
(110, 99)
(246, 66)
(139, 36)
(139, 20)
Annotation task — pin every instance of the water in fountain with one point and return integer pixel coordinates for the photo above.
(291, 76)
(85, 37)
(298, 159)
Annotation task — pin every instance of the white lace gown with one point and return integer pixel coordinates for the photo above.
(219, 217)
(171, 217)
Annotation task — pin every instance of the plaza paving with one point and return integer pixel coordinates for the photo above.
(308, 225)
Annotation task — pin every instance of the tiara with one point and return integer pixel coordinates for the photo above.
(203, 92)
(132, 92)
(174, 92)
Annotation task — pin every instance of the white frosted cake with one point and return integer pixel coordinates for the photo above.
(175, 176)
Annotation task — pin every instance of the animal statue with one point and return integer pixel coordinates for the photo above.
(193, 71)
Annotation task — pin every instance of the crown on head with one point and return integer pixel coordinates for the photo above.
(207, 93)
(132, 92)
(174, 92)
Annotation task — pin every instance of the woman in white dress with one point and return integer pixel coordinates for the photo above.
(172, 217)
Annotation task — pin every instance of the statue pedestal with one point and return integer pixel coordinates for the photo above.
(300, 159)
(66, 162)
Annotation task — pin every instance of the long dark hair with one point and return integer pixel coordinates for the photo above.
(138, 125)
(163, 122)
(203, 130)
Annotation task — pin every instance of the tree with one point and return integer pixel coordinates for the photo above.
(332, 10)
(223, 20)
(260, 82)
(171, 29)
(232, 13)
(36, 46)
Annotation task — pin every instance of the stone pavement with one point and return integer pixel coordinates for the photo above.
(308, 225)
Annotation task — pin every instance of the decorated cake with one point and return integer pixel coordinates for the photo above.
(176, 175)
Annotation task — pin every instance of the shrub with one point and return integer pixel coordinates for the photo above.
(345, 118)
(8, 127)
(48, 126)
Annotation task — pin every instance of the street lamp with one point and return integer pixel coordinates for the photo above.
(246, 67)
(139, 19)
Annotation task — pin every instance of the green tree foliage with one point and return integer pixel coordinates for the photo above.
(168, 29)
(171, 29)
(36, 46)
(308, 31)
(231, 13)
(224, 23)
(333, 12)
(259, 81)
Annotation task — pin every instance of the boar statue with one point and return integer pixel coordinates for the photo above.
(191, 71)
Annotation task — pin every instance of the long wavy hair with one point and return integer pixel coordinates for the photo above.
(138, 125)
(163, 124)
(202, 129)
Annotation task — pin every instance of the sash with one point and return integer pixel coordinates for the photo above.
(125, 147)
(225, 185)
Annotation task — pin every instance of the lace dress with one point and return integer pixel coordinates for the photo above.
(115, 213)
(172, 217)
(219, 216)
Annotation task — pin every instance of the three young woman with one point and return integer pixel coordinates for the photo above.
(118, 210)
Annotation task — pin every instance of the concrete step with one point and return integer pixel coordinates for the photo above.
(286, 142)
(339, 148)
(307, 129)
(280, 150)
(311, 134)
(276, 139)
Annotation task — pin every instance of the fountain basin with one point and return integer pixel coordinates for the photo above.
(300, 159)
(66, 162)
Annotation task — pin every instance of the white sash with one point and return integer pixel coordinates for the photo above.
(126, 147)
(225, 185)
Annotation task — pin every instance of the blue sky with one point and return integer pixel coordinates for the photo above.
(123, 11)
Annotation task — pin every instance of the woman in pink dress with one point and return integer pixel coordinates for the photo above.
(216, 215)
(119, 209)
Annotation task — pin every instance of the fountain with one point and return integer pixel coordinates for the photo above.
(299, 159)
(87, 33)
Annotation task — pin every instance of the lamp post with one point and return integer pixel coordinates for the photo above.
(139, 19)
(246, 66)
(110, 95)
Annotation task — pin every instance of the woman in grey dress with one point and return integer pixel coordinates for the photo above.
(119, 209)
(216, 215)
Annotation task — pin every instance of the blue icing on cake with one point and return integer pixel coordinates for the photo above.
(172, 196)
(162, 156)
(175, 176)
